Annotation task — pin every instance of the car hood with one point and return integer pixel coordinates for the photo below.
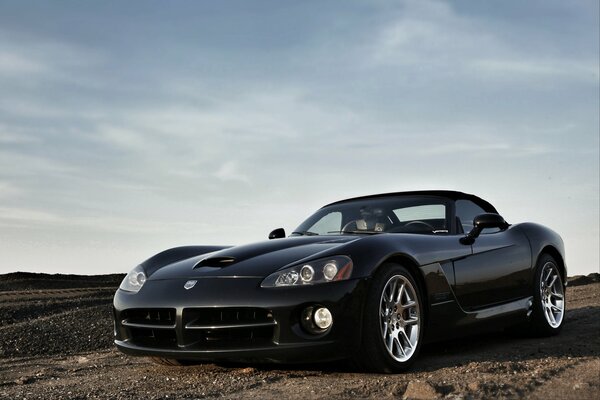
(253, 260)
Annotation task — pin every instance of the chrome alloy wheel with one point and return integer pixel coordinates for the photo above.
(400, 318)
(552, 295)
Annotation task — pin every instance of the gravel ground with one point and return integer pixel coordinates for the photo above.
(56, 343)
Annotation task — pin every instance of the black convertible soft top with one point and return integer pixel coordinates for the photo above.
(450, 194)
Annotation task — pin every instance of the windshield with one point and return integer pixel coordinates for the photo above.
(424, 214)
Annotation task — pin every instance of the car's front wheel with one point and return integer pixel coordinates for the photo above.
(393, 321)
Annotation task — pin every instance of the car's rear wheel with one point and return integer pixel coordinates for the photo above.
(549, 300)
(393, 321)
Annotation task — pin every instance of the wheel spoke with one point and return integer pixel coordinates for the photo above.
(400, 347)
(412, 321)
(553, 280)
(392, 291)
(389, 342)
(557, 295)
(408, 343)
(550, 315)
(547, 313)
(383, 311)
(409, 304)
(400, 293)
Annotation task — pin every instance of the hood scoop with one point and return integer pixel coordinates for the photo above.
(215, 262)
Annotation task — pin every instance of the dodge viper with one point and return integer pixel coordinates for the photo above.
(368, 279)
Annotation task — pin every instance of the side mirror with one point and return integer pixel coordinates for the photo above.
(482, 222)
(278, 233)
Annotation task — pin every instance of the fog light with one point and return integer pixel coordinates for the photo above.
(322, 318)
(316, 319)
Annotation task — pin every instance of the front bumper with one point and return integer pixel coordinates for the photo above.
(235, 319)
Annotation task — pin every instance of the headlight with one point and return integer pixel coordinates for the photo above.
(331, 269)
(134, 280)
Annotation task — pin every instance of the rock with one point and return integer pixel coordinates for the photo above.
(579, 280)
(473, 386)
(24, 380)
(247, 370)
(417, 390)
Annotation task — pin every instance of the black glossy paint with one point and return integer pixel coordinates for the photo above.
(498, 271)
(466, 286)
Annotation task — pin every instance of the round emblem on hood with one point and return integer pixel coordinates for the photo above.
(189, 284)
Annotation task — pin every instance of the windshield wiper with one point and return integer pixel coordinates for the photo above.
(305, 233)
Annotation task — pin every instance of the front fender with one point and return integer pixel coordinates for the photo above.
(369, 253)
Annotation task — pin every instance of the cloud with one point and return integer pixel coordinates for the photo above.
(13, 63)
(8, 137)
(8, 190)
(432, 36)
(28, 215)
(26, 218)
(426, 33)
(30, 64)
(124, 138)
(229, 171)
(477, 149)
(524, 68)
(157, 129)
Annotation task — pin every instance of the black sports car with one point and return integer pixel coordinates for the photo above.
(368, 279)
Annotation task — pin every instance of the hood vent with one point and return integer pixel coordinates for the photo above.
(215, 262)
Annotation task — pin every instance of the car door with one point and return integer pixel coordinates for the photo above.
(498, 269)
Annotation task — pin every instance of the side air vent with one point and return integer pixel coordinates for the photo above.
(218, 262)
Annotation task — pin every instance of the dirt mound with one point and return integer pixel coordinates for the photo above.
(70, 332)
(579, 280)
(34, 281)
(43, 314)
(56, 343)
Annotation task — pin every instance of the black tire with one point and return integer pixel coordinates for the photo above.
(373, 354)
(170, 362)
(539, 323)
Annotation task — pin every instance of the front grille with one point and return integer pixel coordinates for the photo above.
(149, 317)
(227, 327)
(194, 317)
(201, 328)
(151, 327)
(157, 338)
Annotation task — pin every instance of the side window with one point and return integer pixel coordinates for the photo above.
(466, 211)
(429, 211)
(432, 214)
(329, 223)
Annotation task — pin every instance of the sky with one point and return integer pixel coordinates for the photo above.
(130, 127)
